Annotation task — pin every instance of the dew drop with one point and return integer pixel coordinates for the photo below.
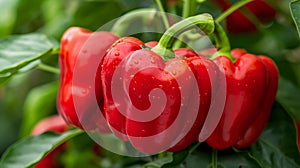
(160, 86)
(136, 61)
(174, 72)
(117, 54)
(152, 60)
(131, 76)
(84, 91)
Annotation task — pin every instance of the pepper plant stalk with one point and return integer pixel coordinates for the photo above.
(204, 22)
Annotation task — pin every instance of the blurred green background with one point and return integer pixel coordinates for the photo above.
(21, 98)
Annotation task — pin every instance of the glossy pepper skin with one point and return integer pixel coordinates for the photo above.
(83, 50)
(252, 83)
(238, 22)
(141, 73)
(56, 124)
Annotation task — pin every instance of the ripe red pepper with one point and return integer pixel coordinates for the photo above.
(53, 123)
(81, 52)
(239, 22)
(252, 83)
(133, 79)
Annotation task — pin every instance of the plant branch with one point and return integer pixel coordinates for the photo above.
(233, 8)
(48, 68)
(164, 17)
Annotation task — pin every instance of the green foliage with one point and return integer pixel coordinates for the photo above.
(39, 104)
(295, 10)
(30, 150)
(22, 52)
(288, 96)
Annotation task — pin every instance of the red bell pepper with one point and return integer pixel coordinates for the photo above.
(252, 83)
(152, 103)
(81, 52)
(240, 22)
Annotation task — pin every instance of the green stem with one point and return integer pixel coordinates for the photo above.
(48, 68)
(204, 22)
(186, 8)
(163, 13)
(233, 8)
(55, 51)
(187, 11)
(151, 164)
(214, 159)
(194, 148)
(222, 42)
(122, 25)
(189, 8)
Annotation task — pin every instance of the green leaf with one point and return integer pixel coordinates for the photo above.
(19, 51)
(4, 79)
(288, 96)
(159, 162)
(199, 157)
(81, 152)
(29, 151)
(295, 11)
(40, 102)
(177, 159)
(235, 158)
(276, 148)
(225, 158)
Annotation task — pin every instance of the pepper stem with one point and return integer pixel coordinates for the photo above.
(233, 8)
(48, 68)
(164, 16)
(214, 159)
(222, 42)
(203, 22)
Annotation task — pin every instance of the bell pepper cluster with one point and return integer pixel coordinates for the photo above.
(159, 98)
